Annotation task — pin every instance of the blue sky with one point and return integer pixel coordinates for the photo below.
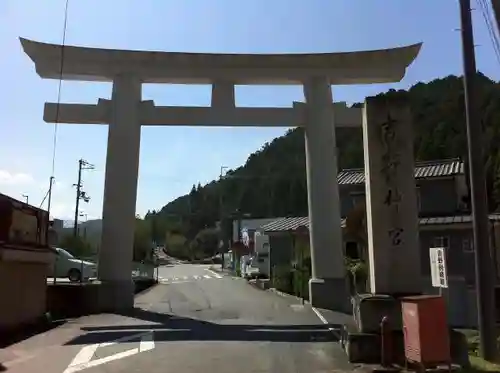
(173, 158)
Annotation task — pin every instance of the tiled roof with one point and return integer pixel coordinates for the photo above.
(449, 167)
(286, 224)
(454, 219)
(253, 224)
(290, 224)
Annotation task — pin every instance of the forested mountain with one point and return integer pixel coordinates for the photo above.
(273, 182)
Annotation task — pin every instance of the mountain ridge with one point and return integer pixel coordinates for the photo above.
(272, 182)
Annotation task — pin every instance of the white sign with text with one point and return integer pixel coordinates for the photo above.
(439, 273)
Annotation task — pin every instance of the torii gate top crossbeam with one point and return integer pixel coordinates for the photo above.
(92, 64)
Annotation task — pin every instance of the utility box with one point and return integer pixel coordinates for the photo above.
(425, 328)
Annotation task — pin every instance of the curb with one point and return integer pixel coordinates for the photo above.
(286, 295)
(315, 310)
(218, 270)
(325, 321)
(146, 289)
(278, 292)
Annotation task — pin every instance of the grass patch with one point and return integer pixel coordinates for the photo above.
(480, 365)
(477, 363)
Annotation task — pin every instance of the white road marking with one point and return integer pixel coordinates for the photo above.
(104, 360)
(184, 279)
(214, 273)
(325, 321)
(124, 339)
(83, 360)
(85, 355)
(147, 342)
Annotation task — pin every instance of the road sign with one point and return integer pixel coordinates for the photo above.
(439, 273)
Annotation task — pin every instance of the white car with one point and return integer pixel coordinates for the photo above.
(66, 265)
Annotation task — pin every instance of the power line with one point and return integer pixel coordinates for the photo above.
(59, 90)
(486, 12)
(44, 198)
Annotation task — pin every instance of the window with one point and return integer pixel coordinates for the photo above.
(64, 253)
(468, 245)
(443, 241)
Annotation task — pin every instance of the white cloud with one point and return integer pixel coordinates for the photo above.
(9, 178)
(56, 185)
(61, 211)
(18, 185)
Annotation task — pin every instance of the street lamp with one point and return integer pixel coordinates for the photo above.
(82, 214)
(26, 197)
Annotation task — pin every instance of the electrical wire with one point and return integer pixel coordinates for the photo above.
(44, 198)
(486, 12)
(59, 90)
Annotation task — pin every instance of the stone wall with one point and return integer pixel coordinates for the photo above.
(23, 290)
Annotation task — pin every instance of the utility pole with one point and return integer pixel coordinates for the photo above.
(82, 165)
(221, 218)
(78, 194)
(49, 200)
(483, 261)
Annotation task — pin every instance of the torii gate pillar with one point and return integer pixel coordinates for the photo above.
(120, 194)
(327, 287)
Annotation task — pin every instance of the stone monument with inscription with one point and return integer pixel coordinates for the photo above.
(392, 224)
(391, 200)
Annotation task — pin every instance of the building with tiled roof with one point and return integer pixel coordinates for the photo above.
(444, 222)
(423, 170)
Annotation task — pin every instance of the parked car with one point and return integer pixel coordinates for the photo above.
(66, 265)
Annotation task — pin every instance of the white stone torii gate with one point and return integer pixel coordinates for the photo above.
(126, 112)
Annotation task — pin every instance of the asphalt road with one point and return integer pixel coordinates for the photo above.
(195, 320)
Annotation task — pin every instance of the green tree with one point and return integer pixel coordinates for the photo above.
(142, 240)
(272, 182)
(76, 245)
(205, 243)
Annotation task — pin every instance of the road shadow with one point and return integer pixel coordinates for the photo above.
(169, 328)
(8, 338)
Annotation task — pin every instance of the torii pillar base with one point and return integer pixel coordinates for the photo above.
(116, 296)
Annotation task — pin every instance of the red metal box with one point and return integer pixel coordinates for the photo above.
(425, 327)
